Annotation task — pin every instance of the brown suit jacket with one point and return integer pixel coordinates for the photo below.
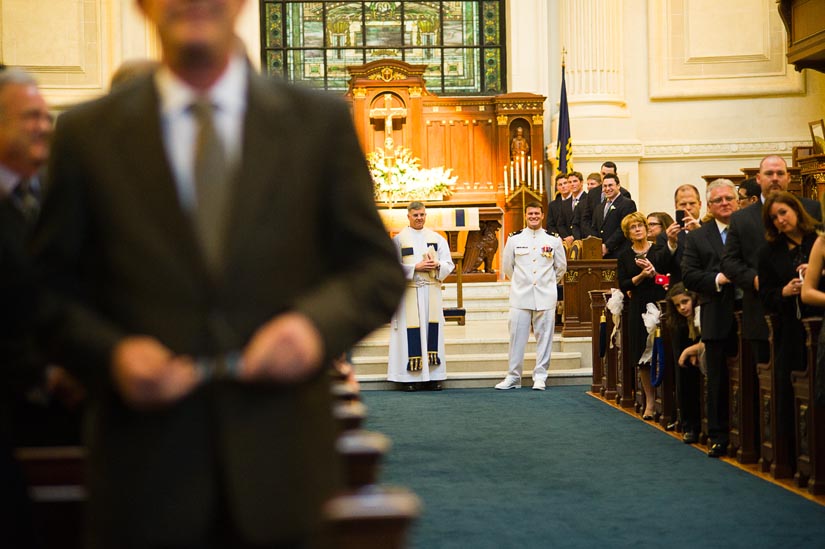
(120, 256)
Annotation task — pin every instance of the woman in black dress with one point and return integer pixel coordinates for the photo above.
(791, 233)
(637, 268)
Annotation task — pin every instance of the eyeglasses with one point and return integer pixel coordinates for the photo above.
(654, 224)
(720, 199)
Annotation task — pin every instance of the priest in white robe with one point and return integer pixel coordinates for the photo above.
(417, 357)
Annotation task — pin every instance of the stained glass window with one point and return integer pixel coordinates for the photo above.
(461, 43)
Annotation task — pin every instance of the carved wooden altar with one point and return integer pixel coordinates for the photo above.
(472, 135)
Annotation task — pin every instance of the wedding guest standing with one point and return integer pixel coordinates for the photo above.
(636, 269)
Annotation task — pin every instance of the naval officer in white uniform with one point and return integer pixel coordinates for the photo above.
(534, 261)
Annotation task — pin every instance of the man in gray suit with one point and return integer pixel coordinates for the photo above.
(205, 261)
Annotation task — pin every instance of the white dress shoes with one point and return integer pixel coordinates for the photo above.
(538, 385)
(509, 383)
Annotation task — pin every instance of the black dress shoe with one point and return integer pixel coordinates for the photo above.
(435, 386)
(690, 437)
(717, 450)
(411, 387)
(647, 417)
(672, 426)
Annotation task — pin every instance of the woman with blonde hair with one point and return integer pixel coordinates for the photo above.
(637, 269)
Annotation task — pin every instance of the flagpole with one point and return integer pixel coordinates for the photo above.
(564, 146)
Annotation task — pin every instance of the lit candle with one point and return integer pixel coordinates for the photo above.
(512, 175)
(522, 169)
(505, 181)
(529, 175)
(541, 180)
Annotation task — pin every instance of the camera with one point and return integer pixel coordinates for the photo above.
(662, 280)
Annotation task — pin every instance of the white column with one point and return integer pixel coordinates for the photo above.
(528, 47)
(591, 32)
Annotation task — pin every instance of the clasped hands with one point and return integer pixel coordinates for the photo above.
(287, 349)
(427, 264)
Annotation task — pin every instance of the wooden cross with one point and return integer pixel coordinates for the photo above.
(387, 113)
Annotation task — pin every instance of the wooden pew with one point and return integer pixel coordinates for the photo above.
(626, 372)
(585, 273)
(610, 364)
(361, 452)
(371, 518)
(597, 312)
(703, 410)
(56, 481)
(744, 433)
(776, 442)
(809, 419)
(665, 404)
(349, 415)
(344, 392)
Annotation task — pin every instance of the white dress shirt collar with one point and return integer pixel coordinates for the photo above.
(228, 95)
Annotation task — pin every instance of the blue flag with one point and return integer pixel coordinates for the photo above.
(564, 149)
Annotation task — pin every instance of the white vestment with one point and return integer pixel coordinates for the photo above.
(397, 367)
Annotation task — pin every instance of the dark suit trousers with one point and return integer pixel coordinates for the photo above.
(688, 386)
(718, 408)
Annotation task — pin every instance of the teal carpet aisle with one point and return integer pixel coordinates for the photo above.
(526, 469)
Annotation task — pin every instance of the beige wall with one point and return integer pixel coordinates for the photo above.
(705, 88)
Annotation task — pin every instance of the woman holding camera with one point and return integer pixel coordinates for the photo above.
(638, 269)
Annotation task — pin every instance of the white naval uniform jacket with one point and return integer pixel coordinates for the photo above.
(534, 275)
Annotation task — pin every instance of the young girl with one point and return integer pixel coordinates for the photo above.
(681, 315)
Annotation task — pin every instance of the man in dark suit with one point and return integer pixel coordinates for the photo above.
(25, 129)
(610, 167)
(210, 243)
(747, 237)
(582, 225)
(568, 206)
(702, 273)
(556, 218)
(607, 218)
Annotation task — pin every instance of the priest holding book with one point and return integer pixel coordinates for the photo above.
(417, 359)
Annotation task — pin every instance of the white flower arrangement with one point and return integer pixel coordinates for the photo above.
(398, 176)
